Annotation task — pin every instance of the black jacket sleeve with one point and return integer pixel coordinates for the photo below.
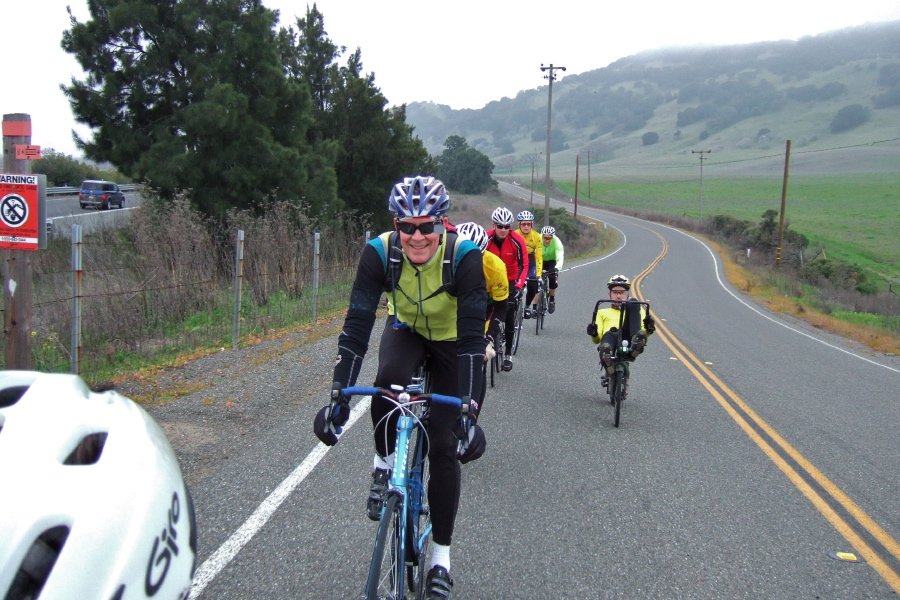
(471, 307)
(353, 342)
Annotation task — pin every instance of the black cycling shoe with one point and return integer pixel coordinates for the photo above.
(551, 306)
(380, 478)
(527, 314)
(438, 584)
(638, 343)
(507, 365)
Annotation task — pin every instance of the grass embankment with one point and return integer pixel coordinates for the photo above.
(852, 217)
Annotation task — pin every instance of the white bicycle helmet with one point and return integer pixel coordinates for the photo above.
(619, 281)
(502, 216)
(548, 230)
(474, 232)
(525, 215)
(419, 197)
(94, 504)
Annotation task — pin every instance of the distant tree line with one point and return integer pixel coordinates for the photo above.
(63, 170)
(209, 98)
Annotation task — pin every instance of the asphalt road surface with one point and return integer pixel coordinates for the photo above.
(754, 452)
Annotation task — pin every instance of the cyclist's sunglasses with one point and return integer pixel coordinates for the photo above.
(425, 228)
(548, 237)
(499, 226)
(525, 223)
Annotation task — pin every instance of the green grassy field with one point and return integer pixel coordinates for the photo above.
(852, 217)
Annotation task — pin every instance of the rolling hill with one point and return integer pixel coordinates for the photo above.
(836, 96)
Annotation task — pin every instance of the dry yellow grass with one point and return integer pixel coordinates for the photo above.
(756, 287)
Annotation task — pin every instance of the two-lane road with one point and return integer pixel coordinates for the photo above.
(751, 450)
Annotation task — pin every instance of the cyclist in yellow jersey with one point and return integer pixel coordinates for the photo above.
(497, 291)
(605, 326)
(535, 258)
(554, 255)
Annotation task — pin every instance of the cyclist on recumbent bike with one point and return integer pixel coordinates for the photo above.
(605, 326)
(432, 310)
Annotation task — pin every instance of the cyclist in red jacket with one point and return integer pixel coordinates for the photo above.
(512, 250)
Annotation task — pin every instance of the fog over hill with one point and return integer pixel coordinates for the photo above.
(836, 96)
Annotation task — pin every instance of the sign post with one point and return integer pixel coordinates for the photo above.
(22, 230)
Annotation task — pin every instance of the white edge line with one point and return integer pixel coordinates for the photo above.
(772, 319)
(227, 551)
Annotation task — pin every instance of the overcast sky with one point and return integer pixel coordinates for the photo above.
(463, 53)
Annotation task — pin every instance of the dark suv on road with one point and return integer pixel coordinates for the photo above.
(100, 194)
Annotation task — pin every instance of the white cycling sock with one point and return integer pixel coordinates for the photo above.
(440, 555)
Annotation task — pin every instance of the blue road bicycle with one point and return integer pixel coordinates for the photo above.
(403, 539)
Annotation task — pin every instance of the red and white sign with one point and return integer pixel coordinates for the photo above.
(28, 152)
(22, 209)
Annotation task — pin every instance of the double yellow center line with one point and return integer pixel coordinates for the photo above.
(776, 448)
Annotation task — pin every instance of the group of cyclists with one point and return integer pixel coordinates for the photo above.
(449, 291)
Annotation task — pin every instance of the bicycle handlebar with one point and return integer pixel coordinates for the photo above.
(439, 398)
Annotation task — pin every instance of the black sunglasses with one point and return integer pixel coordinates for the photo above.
(426, 228)
(498, 226)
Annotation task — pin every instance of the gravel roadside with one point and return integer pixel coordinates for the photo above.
(212, 405)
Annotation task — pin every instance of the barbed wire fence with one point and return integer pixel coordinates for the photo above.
(167, 284)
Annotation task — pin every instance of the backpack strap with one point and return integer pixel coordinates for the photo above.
(393, 263)
(393, 260)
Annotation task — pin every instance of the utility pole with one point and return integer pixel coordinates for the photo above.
(702, 158)
(17, 263)
(549, 77)
(589, 176)
(577, 162)
(532, 183)
(784, 185)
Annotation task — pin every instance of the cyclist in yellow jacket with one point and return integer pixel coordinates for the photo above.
(606, 324)
(535, 258)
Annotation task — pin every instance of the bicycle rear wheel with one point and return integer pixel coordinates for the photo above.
(386, 571)
(497, 361)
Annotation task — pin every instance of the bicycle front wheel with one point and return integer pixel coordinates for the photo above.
(520, 313)
(386, 572)
(418, 529)
(618, 394)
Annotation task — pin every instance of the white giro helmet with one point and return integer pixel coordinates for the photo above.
(474, 232)
(502, 216)
(525, 215)
(548, 230)
(94, 504)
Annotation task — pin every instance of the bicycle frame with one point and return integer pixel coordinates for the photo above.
(406, 484)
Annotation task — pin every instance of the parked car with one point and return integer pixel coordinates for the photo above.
(100, 194)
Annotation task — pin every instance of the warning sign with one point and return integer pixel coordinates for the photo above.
(23, 201)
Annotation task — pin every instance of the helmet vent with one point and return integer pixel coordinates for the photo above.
(11, 394)
(38, 563)
(88, 450)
